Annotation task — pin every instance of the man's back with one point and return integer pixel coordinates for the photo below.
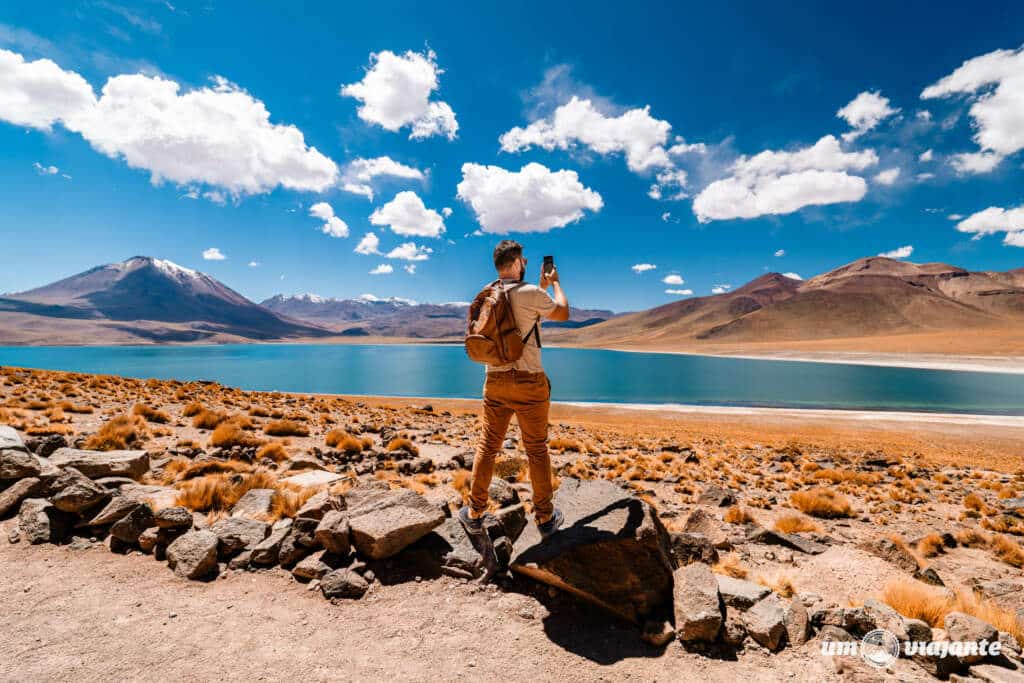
(530, 304)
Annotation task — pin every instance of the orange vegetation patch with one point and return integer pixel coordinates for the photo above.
(917, 600)
(122, 432)
(790, 524)
(150, 414)
(822, 502)
(286, 428)
(343, 441)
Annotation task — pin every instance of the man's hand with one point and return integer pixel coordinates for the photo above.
(549, 278)
(561, 311)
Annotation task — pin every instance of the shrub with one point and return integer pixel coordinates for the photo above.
(230, 433)
(917, 600)
(208, 419)
(738, 515)
(287, 500)
(274, 450)
(286, 428)
(971, 538)
(779, 583)
(402, 444)
(193, 408)
(791, 524)
(822, 502)
(1008, 550)
(119, 433)
(730, 565)
(343, 441)
(972, 501)
(930, 546)
(150, 414)
(220, 491)
(563, 444)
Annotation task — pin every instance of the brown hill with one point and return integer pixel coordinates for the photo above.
(869, 298)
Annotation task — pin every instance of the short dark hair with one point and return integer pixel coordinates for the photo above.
(506, 253)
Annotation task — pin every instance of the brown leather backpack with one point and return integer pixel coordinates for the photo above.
(492, 336)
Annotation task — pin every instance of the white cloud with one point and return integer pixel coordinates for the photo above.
(383, 269)
(998, 112)
(1014, 239)
(792, 276)
(926, 156)
(407, 215)
(864, 112)
(994, 220)
(213, 254)
(901, 252)
(635, 133)
(954, 217)
(780, 252)
(666, 216)
(669, 186)
(39, 94)
(924, 176)
(974, 162)
(254, 264)
(395, 93)
(359, 174)
(679, 292)
(333, 226)
(45, 170)
(409, 251)
(720, 289)
(673, 280)
(410, 268)
(446, 212)
(824, 155)
(643, 267)
(216, 196)
(370, 244)
(923, 115)
(888, 176)
(533, 199)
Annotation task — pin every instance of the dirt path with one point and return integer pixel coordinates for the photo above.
(89, 615)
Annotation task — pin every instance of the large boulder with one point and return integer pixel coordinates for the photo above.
(334, 532)
(96, 464)
(118, 507)
(41, 522)
(237, 534)
(384, 521)
(266, 552)
(12, 496)
(175, 518)
(72, 491)
(16, 462)
(130, 527)
(698, 606)
(967, 629)
(739, 593)
(702, 521)
(316, 566)
(320, 504)
(193, 555)
(255, 503)
(766, 622)
(612, 550)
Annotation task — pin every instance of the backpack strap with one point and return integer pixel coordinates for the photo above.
(535, 330)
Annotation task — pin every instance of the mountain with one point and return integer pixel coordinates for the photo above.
(869, 298)
(396, 317)
(141, 299)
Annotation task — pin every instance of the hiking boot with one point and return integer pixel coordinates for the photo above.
(473, 527)
(550, 527)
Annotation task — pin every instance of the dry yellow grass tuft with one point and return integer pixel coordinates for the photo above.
(402, 444)
(930, 546)
(779, 583)
(193, 408)
(917, 600)
(971, 538)
(821, 502)
(510, 468)
(972, 501)
(230, 433)
(730, 565)
(1008, 550)
(150, 414)
(220, 491)
(208, 419)
(738, 515)
(791, 524)
(274, 450)
(117, 434)
(343, 441)
(562, 444)
(286, 428)
(287, 500)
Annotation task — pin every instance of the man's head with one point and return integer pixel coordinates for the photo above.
(509, 261)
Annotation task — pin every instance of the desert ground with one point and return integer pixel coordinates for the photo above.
(833, 515)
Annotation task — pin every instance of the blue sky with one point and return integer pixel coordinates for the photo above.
(690, 94)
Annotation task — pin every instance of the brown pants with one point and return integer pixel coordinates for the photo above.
(528, 396)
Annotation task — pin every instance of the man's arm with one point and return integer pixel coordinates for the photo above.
(560, 313)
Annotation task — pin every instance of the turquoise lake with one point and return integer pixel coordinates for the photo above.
(576, 375)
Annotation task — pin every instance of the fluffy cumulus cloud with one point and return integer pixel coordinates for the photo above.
(45, 170)
(370, 244)
(643, 267)
(780, 252)
(383, 269)
(395, 93)
(533, 199)
(359, 174)
(213, 254)
(679, 292)
(781, 182)
(720, 289)
(410, 251)
(995, 83)
(635, 133)
(39, 94)
(888, 176)
(994, 220)
(864, 112)
(901, 252)
(407, 215)
(673, 280)
(333, 226)
(926, 156)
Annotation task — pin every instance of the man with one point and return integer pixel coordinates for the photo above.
(520, 388)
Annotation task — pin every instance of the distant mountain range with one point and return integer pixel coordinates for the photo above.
(871, 297)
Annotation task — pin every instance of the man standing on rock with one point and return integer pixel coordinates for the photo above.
(520, 388)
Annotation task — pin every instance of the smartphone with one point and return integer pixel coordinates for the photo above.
(549, 264)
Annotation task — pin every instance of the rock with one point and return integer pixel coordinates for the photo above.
(41, 522)
(241, 560)
(266, 552)
(792, 541)
(343, 583)
(256, 504)
(965, 628)
(832, 616)
(237, 534)
(157, 497)
(457, 556)
(313, 478)
(44, 446)
(990, 673)
(797, 623)
(608, 529)
(72, 491)
(766, 622)
(834, 634)
(930, 576)
(657, 633)
(118, 507)
(881, 615)
(702, 521)
(130, 527)
(316, 566)
(698, 606)
(96, 464)
(687, 548)
(857, 621)
(334, 533)
(734, 632)
(716, 496)
(320, 504)
(739, 593)
(891, 552)
(177, 517)
(193, 555)
(114, 483)
(16, 462)
(291, 551)
(11, 497)
(512, 520)
(502, 493)
(1009, 644)
(148, 540)
(384, 521)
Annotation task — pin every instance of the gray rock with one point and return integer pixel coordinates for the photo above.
(384, 521)
(930, 576)
(657, 633)
(114, 483)
(734, 631)
(891, 552)
(739, 593)
(832, 616)
(11, 440)
(313, 478)
(237, 534)
(241, 561)
(291, 551)
(965, 628)
(334, 532)
(316, 566)
(96, 464)
(881, 615)
(606, 528)
(702, 521)
(255, 503)
(118, 507)
(991, 673)
(797, 623)
(16, 462)
(766, 622)
(148, 540)
(41, 522)
(343, 583)
(44, 446)
(502, 493)
(193, 555)
(697, 604)
(130, 527)
(1009, 644)
(320, 504)
(72, 491)
(716, 496)
(835, 634)
(792, 541)
(177, 517)
(266, 553)
(11, 497)
(688, 547)
(512, 520)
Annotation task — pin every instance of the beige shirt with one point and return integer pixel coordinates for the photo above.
(530, 304)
